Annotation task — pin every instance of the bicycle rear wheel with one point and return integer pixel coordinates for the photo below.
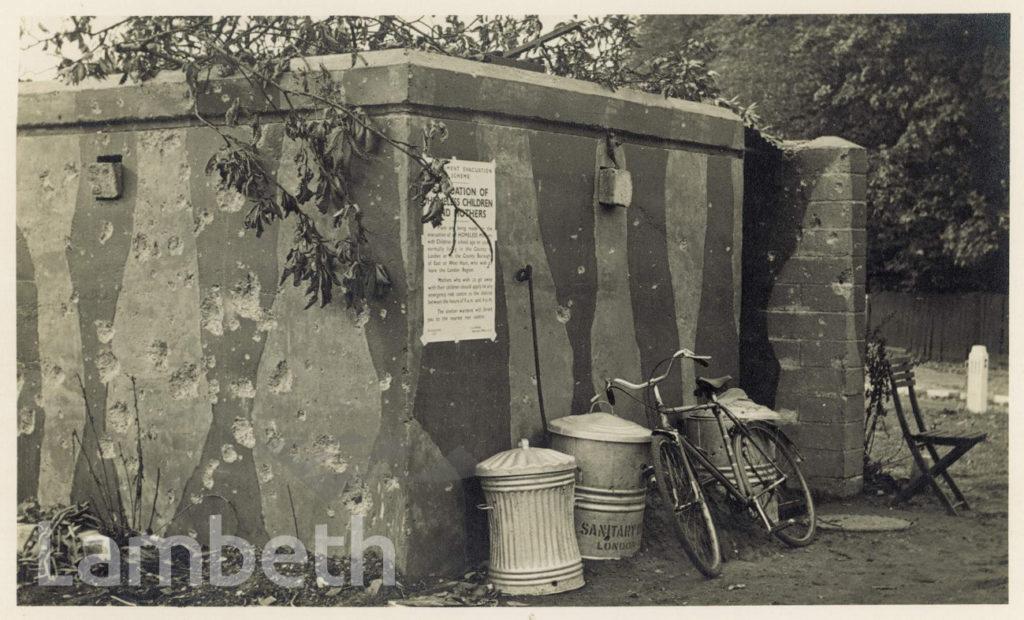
(685, 502)
(769, 471)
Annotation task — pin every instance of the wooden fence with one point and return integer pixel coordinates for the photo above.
(942, 327)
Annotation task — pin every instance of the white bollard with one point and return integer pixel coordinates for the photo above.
(977, 379)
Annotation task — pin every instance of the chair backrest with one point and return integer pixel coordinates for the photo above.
(901, 374)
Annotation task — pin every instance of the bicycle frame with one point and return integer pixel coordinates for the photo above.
(664, 427)
(760, 481)
(695, 453)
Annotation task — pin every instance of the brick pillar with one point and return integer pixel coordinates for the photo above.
(814, 316)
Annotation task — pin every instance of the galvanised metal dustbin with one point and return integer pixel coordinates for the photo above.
(702, 429)
(611, 492)
(529, 493)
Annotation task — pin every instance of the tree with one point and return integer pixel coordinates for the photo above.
(928, 95)
(260, 49)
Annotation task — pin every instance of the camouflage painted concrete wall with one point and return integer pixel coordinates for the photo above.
(249, 405)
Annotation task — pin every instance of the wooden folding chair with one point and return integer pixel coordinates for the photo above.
(901, 374)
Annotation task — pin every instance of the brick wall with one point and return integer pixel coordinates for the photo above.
(804, 307)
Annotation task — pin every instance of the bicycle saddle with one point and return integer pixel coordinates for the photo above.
(713, 385)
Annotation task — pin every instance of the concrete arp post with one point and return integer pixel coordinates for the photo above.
(815, 316)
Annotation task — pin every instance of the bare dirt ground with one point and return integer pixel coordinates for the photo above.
(939, 559)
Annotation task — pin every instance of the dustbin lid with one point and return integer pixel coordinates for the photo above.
(525, 460)
(601, 427)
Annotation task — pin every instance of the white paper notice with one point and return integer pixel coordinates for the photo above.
(458, 290)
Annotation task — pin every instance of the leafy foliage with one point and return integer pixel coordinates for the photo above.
(260, 49)
(238, 167)
(927, 95)
(878, 390)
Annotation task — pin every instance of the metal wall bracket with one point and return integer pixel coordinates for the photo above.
(104, 177)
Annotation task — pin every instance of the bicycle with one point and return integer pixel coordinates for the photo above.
(763, 462)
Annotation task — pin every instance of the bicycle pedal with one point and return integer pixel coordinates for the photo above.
(781, 525)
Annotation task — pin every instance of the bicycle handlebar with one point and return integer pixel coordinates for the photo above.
(611, 382)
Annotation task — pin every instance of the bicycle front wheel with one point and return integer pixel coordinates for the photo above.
(684, 500)
(769, 471)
